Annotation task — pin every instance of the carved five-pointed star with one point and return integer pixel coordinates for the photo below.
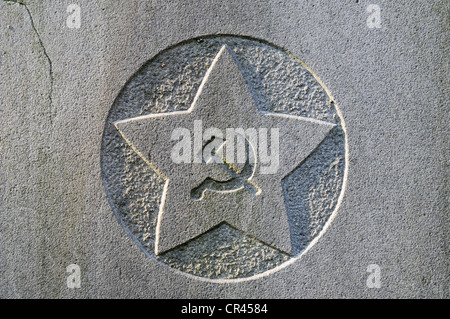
(224, 100)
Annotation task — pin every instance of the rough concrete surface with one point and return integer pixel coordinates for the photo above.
(363, 114)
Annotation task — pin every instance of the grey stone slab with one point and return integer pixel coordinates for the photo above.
(373, 192)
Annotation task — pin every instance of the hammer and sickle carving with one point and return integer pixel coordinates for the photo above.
(239, 178)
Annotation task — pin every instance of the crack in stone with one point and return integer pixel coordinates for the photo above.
(50, 94)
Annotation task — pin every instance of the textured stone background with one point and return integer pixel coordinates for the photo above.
(58, 84)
